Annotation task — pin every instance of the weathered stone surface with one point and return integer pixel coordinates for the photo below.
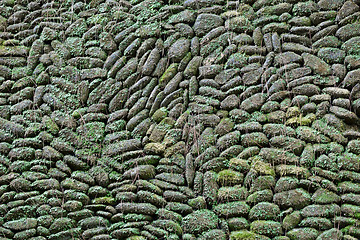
(21, 224)
(194, 119)
(206, 22)
(316, 64)
(179, 49)
(200, 221)
(297, 198)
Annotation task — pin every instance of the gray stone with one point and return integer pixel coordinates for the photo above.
(318, 65)
(21, 224)
(206, 22)
(179, 49)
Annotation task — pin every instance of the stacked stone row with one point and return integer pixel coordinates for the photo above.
(198, 120)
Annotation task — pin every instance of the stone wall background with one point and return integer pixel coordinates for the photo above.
(196, 119)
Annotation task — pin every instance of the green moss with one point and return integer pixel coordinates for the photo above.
(104, 200)
(262, 168)
(199, 221)
(228, 194)
(229, 177)
(160, 114)
(246, 235)
(168, 74)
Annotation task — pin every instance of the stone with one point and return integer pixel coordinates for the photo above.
(332, 55)
(236, 60)
(267, 228)
(206, 22)
(348, 8)
(332, 233)
(286, 58)
(21, 224)
(324, 196)
(320, 210)
(348, 31)
(303, 234)
(352, 78)
(252, 77)
(200, 221)
(297, 199)
(230, 102)
(330, 4)
(238, 24)
(292, 220)
(352, 46)
(254, 139)
(345, 114)
(122, 146)
(253, 103)
(264, 211)
(245, 234)
(232, 209)
(179, 49)
(318, 65)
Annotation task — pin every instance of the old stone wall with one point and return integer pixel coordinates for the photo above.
(195, 119)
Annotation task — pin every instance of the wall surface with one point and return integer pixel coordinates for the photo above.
(196, 119)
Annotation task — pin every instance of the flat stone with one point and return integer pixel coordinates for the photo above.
(348, 8)
(303, 234)
(122, 146)
(344, 114)
(238, 24)
(306, 89)
(286, 58)
(200, 221)
(21, 224)
(328, 41)
(195, 4)
(210, 71)
(318, 65)
(348, 31)
(253, 103)
(206, 22)
(332, 55)
(352, 78)
(337, 92)
(320, 210)
(297, 198)
(330, 4)
(179, 49)
(232, 209)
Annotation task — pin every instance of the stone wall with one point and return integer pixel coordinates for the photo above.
(196, 119)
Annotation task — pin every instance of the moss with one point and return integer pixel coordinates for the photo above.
(238, 164)
(160, 114)
(78, 113)
(136, 238)
(104, 200)
(267, 228)
(97, 19)
(302, 234)
(199, 221)
(229, 177)
(260, 196)
(232, 209)
(197, 203)
(246, 235)
(215, 234)
(264, 211)
(229, 194)
(292, 220)
(262, 168)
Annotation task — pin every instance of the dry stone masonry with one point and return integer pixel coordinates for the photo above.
(179, 119)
